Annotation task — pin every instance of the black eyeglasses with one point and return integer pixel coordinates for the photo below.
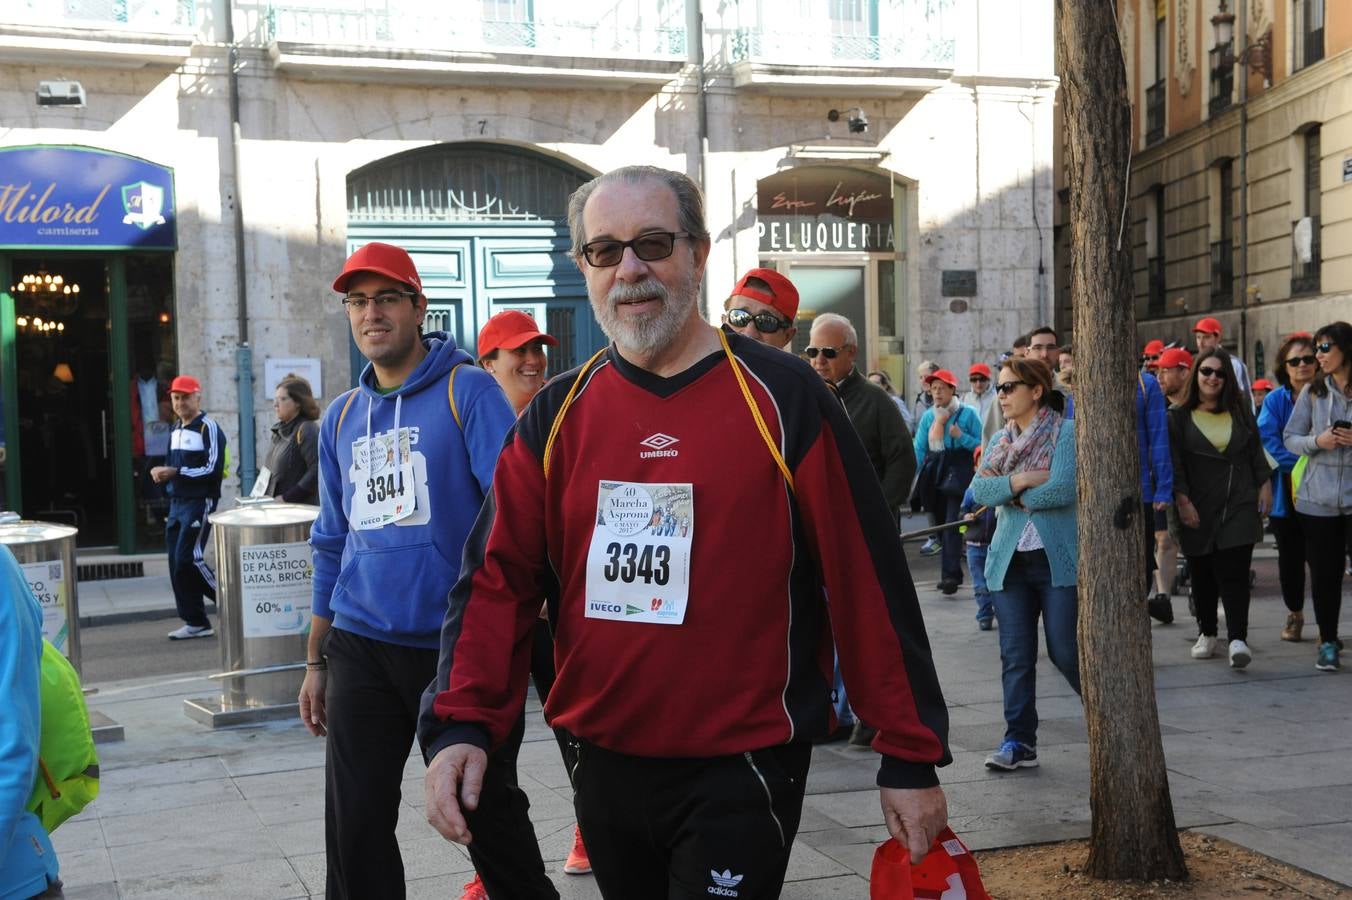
(1301, 361)
(1324, 347)
(649, 247)
(828, 352)
(766, 323)
(1208, 372)
(357, 303)
(1005, 388)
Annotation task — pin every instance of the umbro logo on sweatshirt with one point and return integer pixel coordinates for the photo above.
(660, 445)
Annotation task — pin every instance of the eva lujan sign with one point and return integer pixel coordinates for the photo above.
(83, 198)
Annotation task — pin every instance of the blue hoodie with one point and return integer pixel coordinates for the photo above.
(390, 583)
(27, 860)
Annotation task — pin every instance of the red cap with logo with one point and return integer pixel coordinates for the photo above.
(380, 259)
(943, 375)
(1175, 358)
(508, 330)
(1263, 384)
(783, 296)
(979, 369)
(1208, 326)
(185, 384)
(1154, 348)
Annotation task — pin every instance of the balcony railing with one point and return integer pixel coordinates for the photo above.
(1222, 78)
(140, 15)
(1154, 112)
(408, 24)
(1155, 270)
(1305, 275)
(813, 48)
(1222, 275)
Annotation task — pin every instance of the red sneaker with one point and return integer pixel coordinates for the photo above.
(474, 890)
(577, 862)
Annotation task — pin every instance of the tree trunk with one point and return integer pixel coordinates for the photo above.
(1133, 832)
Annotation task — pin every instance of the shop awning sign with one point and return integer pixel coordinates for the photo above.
(82, 198)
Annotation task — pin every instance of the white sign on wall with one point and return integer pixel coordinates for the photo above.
(278, 367)
(275, 582)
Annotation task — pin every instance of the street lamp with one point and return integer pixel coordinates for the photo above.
(1257, 56)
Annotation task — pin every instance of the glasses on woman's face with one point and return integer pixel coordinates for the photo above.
(1005, 388)
(1208, 372)
(1325, 347)
(1294, 361)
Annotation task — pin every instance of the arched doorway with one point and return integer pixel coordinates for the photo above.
(487, 226)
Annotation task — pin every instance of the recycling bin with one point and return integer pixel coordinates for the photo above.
(263, 582)
(46, 553)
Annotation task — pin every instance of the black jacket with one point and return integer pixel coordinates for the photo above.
(293, 461)
(880, 426)
(1222, 486)
(197, 450)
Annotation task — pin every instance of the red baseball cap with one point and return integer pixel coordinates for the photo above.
(508, 330)
(1175, 358)
(1305, 335)
(1154, 348)
(382, 259)
(1263, 384)
(979, 369)
(1208, 326)
(185, 384)
(783, 295)
(943, 375)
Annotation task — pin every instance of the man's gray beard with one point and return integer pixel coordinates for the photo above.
(651, 332)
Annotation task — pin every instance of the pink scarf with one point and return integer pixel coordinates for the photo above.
(1023, 451)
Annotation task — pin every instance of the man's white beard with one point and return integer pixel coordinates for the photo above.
(649, 332)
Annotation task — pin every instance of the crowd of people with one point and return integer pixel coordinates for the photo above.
(481, 525)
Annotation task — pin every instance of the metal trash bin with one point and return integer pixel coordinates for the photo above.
(263, 582)
(46, 553)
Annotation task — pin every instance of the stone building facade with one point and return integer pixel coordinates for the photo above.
(1199, 139)
(293, 132)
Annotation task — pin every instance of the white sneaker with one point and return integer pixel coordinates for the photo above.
(188, 632)
(1205, 648)
(1239, 654)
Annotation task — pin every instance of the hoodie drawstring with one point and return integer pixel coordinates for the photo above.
(398, 450)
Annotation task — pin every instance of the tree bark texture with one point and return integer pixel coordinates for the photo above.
(1133, 833)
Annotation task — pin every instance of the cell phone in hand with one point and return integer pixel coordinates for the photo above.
(1342, 423)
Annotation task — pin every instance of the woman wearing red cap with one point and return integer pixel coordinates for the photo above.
(512, 350)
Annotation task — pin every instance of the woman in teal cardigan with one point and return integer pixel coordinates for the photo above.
(1028, 472)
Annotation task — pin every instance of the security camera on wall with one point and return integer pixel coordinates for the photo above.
(855, 120)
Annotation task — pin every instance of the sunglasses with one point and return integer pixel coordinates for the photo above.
(766, 323)
(976, 378)
(1324, 347)
(827, 352)
(1301, 361)
(649, 247)
(1151, 359)
(1208, 372)
(1005, 388)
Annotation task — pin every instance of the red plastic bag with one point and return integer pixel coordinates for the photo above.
(948, 872)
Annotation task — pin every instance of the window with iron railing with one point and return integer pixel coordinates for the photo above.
(1157, 291)
(1222, 274)
(1305, 272)
(1154, 112)
(1222, 78)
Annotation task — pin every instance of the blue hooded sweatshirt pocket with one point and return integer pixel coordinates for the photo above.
(372, 596)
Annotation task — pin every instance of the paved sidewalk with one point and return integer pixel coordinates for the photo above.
(1262, 757)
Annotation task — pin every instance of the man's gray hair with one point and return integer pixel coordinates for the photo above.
(927, 367)
(689, 200)
(851, 336)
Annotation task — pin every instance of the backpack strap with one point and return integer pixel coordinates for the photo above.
(756, 413)
(351, 395)
(450, 396)
(563, 410)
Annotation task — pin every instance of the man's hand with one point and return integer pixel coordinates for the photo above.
(454, 780)
(915, 817)
(1265, 498)
(1187, 513)
(161, 474)
(312, 712)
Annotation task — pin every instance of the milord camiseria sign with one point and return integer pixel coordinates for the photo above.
(82, 198)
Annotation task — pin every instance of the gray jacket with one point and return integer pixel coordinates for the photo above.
(1326, 487)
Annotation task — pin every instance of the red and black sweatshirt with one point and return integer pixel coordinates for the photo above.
(774, 574)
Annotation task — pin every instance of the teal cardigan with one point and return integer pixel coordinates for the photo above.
(1051, 506)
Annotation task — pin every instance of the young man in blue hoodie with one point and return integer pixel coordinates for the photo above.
(28, 865)
(406, 460)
